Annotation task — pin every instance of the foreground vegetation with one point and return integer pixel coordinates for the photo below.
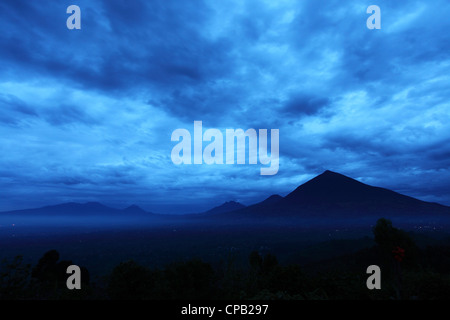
(408, 272)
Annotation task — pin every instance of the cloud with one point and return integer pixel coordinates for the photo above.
(65, 114)
(13, 109)
(88, 114)
(304, 104)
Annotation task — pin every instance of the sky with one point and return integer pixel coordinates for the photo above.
(87, 115)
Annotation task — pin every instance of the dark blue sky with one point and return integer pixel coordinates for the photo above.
(87, 115)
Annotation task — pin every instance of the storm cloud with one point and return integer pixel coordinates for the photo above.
(87, 115)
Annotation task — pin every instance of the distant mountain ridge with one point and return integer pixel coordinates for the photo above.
(228, 206)
(81, 209)
(329, 195)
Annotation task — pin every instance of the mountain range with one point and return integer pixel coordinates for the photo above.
(329, 194)
(81, 209)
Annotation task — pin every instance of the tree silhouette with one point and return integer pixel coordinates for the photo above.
(397, 247)
(193, 278)
(51, 276)
(390, 238)
(130, 281)
(14, 279)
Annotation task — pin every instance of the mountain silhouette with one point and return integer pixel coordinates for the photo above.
(228, 206)
(81, 209)
(275, 198)
(134, 209)
(331, 194)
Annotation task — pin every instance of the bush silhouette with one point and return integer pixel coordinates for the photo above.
(130, 281)
(14, 279)
(389, 237)
(193, 279)
(50, 277)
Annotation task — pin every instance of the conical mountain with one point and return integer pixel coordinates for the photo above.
(331, 194)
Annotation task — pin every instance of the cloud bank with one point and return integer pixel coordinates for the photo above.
(87, 115)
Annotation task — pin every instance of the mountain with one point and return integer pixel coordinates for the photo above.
(80, 209)
(331, 194)
(224, 208)
(133, 210)
(273, 199)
